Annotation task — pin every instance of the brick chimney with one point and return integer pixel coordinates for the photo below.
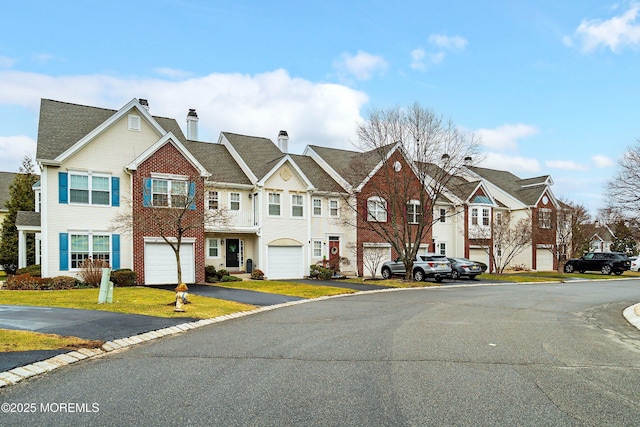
(283, 141)
(192, 125)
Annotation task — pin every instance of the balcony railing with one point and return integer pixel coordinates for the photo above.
(236, 220)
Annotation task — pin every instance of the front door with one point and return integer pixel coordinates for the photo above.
(334, 252)
(233, 252)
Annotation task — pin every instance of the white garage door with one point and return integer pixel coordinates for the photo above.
(160, 264)
(544, 260)
(284, 262)
(479, 255)
(374, 257)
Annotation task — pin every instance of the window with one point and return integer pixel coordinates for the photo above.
(274, 204)
(317, 249)
(442, 248)
(376, 210)
(544, 218)
(213, 248)
(89, 189)
(485, 217)
(334, 210)
(413, 212)
(297, 208)
(134, 122)
(474, 216)
(234, 201)
(317, 207)
(499, 218)
(443, 215)
(213, 199)
(88, 246)
(169, 193)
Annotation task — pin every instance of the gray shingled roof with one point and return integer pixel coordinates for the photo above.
(514, 185)
(217, 160)
(62, 124)
(28, 218)
(260, 154)
(6, 178)
(353, 166)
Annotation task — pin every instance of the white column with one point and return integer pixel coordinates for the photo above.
(22, 249)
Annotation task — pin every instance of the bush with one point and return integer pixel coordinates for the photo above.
(221, 273)
(64, 282)
(124, 277)
(91, 271)
(319, 272)
(257, 274)
(33, 270)
(25, 282)
(210, 274)
(230, 279)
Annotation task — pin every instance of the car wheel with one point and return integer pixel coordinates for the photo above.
(418, 275)
(606, 269)
(439, 279)
(568, 268)
(455, 275)
(386, 273)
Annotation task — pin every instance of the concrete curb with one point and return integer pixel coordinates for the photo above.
(18, 374)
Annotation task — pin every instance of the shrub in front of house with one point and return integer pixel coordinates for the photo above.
(91, 271)
(123, 277)
(27, 282)
(65, 282)
(257, 274)
(221, 273)
(319, 272)
(210, 274)
(230, 279)
(33, 270)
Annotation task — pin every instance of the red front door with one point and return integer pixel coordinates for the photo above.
(334, 253)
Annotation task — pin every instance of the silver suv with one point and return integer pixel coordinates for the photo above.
(425, 266)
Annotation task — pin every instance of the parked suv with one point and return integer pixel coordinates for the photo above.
(605, 262)
(433, 266)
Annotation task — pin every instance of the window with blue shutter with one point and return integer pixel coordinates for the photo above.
(192, 195)
(146, 192)
(115, 191)
(115, 251)
(64, 251)
(63, 185)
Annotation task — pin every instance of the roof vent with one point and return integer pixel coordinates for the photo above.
(144, 103)
(192, 125)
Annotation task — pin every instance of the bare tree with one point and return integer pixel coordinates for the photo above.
(582, 229)
(372, 257)
(172, 221)
(507, 238)
(411, 156)
(623, 190)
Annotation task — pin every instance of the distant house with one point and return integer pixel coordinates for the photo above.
(6, 178)
(602, 238)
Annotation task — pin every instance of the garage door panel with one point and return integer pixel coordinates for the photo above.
(544, 260)
(285, 262)
(373, 254)
(160, 264)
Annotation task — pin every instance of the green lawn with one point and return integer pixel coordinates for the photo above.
(300, 290)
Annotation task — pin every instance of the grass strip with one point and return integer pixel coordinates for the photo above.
(301, 290)
(12, 340)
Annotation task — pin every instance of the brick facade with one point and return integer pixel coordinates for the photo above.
(167, 160)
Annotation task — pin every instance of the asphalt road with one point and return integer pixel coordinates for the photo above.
(558, 355)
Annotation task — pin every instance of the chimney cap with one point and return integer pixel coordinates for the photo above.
(143, 102)
(283, 133)
(192, 113)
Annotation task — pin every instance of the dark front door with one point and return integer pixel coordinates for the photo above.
(233, 252)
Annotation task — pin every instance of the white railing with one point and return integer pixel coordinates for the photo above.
(234, 220)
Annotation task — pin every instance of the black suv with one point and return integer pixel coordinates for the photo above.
(605, 262)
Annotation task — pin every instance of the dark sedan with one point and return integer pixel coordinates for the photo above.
(462, 267)
(604, 262)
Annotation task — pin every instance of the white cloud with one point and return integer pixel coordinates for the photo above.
(361, 66)
(13, 149)
(601, 161)
(6, 62)
(505, 136)
(616, 33)
(173, 73)
(513, 164)
(447, 42)
(569, 165)
(417, 59)
(260, 105)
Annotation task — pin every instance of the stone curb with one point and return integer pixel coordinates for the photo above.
(18, 374)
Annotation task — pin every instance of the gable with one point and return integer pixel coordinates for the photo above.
(286, 177)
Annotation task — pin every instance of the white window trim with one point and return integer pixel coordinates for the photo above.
(337, 215)
(209, 239)
(90, 176)
(313, 207)
(301, 205)
(442, 215)
(91, 235)
(486, 217)
(313, 242)
(239, 201)
(269, 214)
(381, 207)
(134, 123)
(170, 182)
(415, 214)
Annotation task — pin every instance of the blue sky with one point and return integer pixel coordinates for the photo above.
(550, 87)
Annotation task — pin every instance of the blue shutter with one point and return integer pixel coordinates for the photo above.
(115, 251)
(192, 194)
(146, 192)
(63, 192)
(115, 191)
(64, 251)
